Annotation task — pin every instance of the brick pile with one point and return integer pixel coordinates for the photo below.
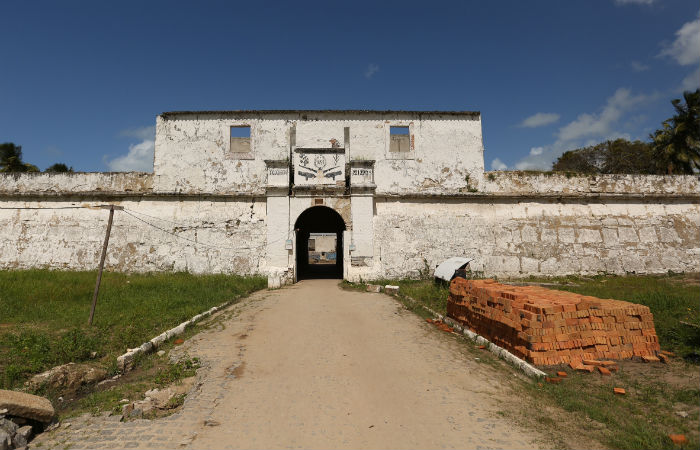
(547, 327)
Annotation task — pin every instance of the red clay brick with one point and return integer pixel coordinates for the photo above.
(619, 391)
(603, 371)
(566, 327)
(678, 439)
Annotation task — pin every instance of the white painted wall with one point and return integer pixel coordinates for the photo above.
(403, 216)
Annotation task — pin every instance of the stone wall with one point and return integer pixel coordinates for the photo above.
(521, 238)
(528, 183)
(196, 235)
(46, 184)
(514, 224)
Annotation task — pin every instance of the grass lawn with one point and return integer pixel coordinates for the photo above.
(44, 314)
(657, 394)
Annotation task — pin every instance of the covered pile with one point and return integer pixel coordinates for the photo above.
(546, 327)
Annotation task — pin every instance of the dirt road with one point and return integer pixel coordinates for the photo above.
(314, 366)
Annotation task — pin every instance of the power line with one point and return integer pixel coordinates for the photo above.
(216, 247)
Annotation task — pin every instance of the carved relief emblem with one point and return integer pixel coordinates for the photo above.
(319, 171)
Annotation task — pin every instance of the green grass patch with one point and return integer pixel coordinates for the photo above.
(43, 314)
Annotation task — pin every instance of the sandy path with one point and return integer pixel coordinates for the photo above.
(314, 366)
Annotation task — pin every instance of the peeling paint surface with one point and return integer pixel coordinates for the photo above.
(205, 208)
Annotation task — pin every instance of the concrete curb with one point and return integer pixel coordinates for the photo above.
(125, 362)
(527, 368)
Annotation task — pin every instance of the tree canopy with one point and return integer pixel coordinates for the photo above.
(618, 156)
(674, 148)
(11, 159)
(58, 168)
(678, 140)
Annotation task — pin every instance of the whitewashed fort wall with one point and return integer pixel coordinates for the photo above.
(208, 207)
(524, 225)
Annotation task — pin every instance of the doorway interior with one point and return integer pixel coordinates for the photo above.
(319, 243)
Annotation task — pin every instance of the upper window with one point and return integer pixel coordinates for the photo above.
(399, 140)
(240, 141)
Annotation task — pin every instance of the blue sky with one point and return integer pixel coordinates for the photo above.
(82, 82)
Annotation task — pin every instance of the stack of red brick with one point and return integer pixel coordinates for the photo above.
(547, 327)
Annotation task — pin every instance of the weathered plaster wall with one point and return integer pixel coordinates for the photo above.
(52, 184)
(523, 183)
(521, 238)
(228, 235)
(192, 151)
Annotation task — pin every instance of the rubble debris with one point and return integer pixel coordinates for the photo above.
(67, 377)
(619, 391)
(28, 406)
(548, 327)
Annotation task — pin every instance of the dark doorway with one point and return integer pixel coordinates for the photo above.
(319, 220)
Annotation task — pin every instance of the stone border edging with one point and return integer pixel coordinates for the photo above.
(527, 368)
(125, 362)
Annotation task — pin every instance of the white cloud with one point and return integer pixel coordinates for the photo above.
(371, 70)
(586, 129)
(140, 156)
(634, 2)
(497, 164)
(142, 133)
(639, 67)
(591, 125)
(686, 48)
(539, 120)
(692, 81)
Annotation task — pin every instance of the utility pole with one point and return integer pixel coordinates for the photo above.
(102, 259)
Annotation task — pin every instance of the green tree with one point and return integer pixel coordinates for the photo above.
(677, 143)
(618, 156)
(11, 159)
(59, 168)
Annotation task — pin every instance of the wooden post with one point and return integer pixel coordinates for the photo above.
(102, 259)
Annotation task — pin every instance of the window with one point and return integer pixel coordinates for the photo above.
(240, 141)
(399, 140)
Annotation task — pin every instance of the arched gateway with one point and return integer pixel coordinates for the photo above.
(316, 224)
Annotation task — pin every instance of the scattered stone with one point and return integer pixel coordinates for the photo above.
(52, 426)
(161, 352)
(8, 426)
(211, 423)
(25, 405)
(22, 437)
(391, 290)
(124, 400)
(374, 288)
(93, 355)
(5, 440)
(68, 377)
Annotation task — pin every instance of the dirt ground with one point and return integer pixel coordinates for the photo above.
(315, 366)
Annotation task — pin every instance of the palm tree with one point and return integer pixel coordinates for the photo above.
(677, 143)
